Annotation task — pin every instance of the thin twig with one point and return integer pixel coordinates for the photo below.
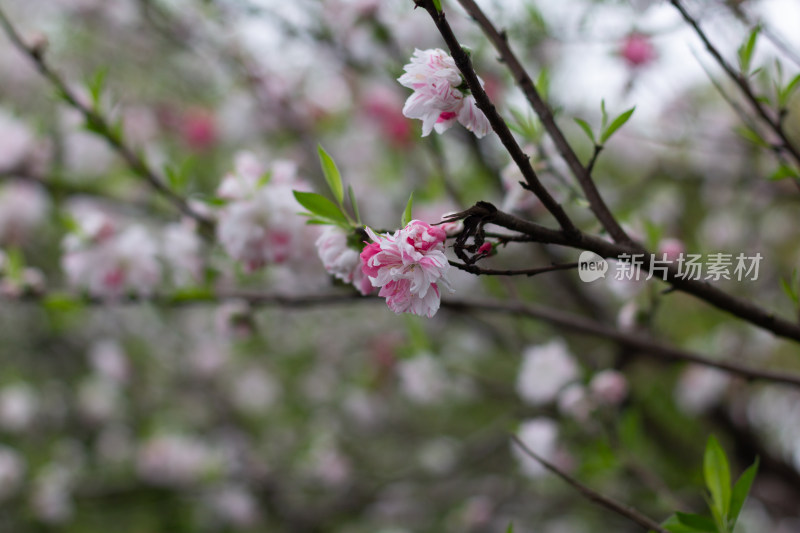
(743, 116)
(604, 501)
(593, 161)
(742, 82)
(478, 271)
(464, 64)
(739, 307)
(583, 175)
(644, 346)
(101, 125)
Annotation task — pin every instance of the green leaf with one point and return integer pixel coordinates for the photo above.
(438, 5)
(746, 50)
(96, 84)
(69, 223)
(407, 213)
(320, 206)
(790, 292)
(354, 204)
(717, 475)
(510, 528)
(654, 233)
(216, 201)
(783, 172)
(94, 125)
(313, 221)
(332, 175)
(543, 83)
(617, 124)
(587, 129)
(15, 264)
(61, 301)
(178, 177)
(752, 136)
(783, 97)
(264, 179)
(604, 113)
(697, 522)
(719, 520)
(525, 125)
(673, 525)
(192, 294)
(740, 491)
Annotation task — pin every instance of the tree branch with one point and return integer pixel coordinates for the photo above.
(102, 127)
(604, 501)
(464, 64)
(582, 174)
(478, 271)
(742, 82)
(703, 290)
(645, 346)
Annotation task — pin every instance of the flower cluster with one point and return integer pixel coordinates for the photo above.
(439, 98)
(408, 266)
(259, 224)
(340, 260)
(23, 207)
(108, 262)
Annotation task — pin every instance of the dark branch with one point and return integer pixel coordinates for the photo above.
(739, 307)
(464, 64)
(644, 346)
(743, 84)
(604, 501)
(583, 175)
(478, 271)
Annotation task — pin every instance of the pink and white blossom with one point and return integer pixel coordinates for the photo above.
(408, 266)
(19, 405)
(182, 248)
(23, 206)
(546, 369)
(340, 260)
(176, 460)
(259, 225)
(609, 387)
(109, 263)
(439, 99)
(574, 401)
(17, 141)
(540, 435)
(12, 471)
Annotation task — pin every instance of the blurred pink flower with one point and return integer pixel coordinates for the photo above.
(382, 106)
(108, 263)
(340, 260)
(259, 225)
(23, 206)
(199, 129)
(672, 248)
(637, 50)
(609, 387)
(408, 266)
(17, 141)
(545, 370)
(182, 248)
(437, 99)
